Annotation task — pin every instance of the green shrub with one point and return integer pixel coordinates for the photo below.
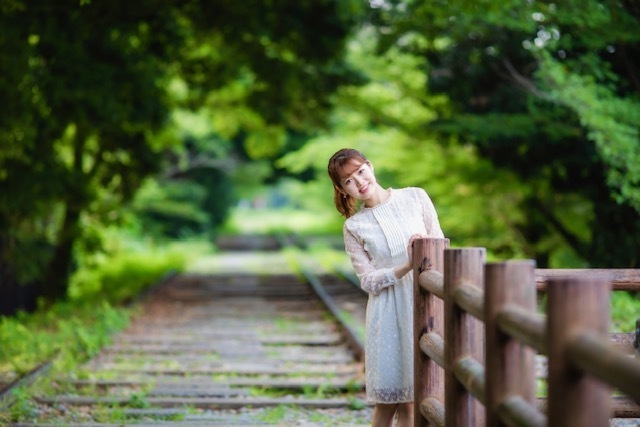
(625, 310)
(76, 329)
(74, 333)
(123, 276)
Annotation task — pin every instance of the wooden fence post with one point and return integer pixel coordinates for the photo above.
(575, 398)
(510, 365)
(428, 316)
(464, 334)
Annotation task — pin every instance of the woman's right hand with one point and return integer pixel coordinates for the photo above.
(410, 246)
(401, 270)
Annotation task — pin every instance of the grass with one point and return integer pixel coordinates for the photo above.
(75, 332)
(323, 391)
(276, 415)
(295, 415)
(269, 392)
(76, 329)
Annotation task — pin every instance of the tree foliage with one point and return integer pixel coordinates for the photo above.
(521, 119)
(89, 88)
(390, 119)
(549, 92)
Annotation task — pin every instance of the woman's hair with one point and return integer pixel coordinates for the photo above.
(340, 166)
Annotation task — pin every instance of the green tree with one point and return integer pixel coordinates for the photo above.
(549, 92)
(91, 86)
(94, 100)
(390, 118)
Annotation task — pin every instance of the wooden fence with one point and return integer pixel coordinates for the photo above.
(478, 338)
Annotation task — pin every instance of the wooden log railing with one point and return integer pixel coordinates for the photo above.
(478, 334)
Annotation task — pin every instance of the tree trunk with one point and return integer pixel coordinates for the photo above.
(56, 282)
(14, 296)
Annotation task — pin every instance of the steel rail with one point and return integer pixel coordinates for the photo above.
(351, 336)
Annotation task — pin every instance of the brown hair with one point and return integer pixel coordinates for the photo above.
(337, 169)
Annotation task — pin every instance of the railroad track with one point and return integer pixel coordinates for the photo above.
(225, 349)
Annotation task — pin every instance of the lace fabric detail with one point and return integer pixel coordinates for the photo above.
(372, 280)
(376, 241)
(375, 248)
(391, 395)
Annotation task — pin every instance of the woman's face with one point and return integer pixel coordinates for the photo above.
(360, 183)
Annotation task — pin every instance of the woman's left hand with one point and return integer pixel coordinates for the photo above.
(410, 246)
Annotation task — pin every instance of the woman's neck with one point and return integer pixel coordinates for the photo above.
(380, 196)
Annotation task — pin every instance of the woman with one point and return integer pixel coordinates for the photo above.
(378, 238)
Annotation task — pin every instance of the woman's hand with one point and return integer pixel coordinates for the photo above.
(403, 269)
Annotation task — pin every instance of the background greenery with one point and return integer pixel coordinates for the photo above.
(126, 126)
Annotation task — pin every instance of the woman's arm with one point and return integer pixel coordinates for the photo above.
(430, 216)
(372, 280)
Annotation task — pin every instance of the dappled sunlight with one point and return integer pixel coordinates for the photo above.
(252, 262)
(282, 220)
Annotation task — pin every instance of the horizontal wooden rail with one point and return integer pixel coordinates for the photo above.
(433, 410)
(432, 344)
(471, 373)
(528, 328)
(594, 355)
(432, 281)
(492, 334)
(523, 325)
(621, 406)
(470, 299)
(515, 411)
(621, 279)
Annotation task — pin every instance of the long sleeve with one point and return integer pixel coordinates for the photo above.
(430, 216)
(372, 279)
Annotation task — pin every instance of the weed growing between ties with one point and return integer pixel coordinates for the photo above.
(295, 415)
(116, 415)
(139, 400)
(356, 404)
(275, 415)
(321, 391)
(257, 391)
(23, 406)
(108, 414)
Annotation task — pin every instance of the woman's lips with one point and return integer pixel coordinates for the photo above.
(365, 188)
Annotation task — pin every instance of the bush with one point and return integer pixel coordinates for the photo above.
(79, 327)
(122, 277)
(74, 333)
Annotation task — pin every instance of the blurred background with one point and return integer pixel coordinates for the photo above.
(135, 135)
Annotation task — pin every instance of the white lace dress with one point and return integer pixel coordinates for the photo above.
(376, 240)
